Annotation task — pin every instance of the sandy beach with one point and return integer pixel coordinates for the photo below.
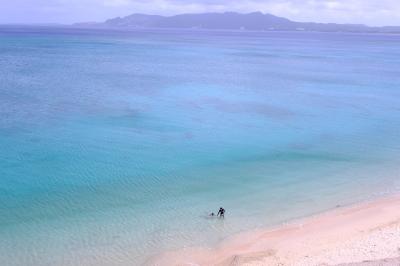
(362, 234)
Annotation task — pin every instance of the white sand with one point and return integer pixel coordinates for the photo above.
(366, 234)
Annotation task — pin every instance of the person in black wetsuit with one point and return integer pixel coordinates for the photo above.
(221, 212)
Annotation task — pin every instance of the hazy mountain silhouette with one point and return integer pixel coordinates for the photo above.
(233, 21)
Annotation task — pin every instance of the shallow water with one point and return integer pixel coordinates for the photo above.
(115, 145)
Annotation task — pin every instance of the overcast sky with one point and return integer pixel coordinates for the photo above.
(371, 12)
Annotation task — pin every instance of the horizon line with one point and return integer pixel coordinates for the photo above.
(187, 13)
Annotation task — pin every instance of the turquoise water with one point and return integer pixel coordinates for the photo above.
(115, 145)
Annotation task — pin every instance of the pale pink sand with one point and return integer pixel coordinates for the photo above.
(366, 232)
(383, 262)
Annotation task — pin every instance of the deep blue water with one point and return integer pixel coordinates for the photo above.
(115, 145)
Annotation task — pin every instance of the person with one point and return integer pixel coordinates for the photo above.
(221, 213)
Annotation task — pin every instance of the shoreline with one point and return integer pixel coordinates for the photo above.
(366, 233)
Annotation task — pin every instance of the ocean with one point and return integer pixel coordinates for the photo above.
(116, 145)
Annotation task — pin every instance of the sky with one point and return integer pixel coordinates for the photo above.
(370, 12)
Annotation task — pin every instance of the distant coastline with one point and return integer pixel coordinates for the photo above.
(94, 28)
(255, 21)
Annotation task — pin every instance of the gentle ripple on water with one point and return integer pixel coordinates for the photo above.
(114, 146)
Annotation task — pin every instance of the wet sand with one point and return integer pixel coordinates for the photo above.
(363, 234)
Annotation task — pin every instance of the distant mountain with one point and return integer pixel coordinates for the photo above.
(233, 21)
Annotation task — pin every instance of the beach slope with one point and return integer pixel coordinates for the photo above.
(363, 234)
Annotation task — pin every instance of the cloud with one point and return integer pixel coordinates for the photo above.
(372, 12)
(117, 3)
